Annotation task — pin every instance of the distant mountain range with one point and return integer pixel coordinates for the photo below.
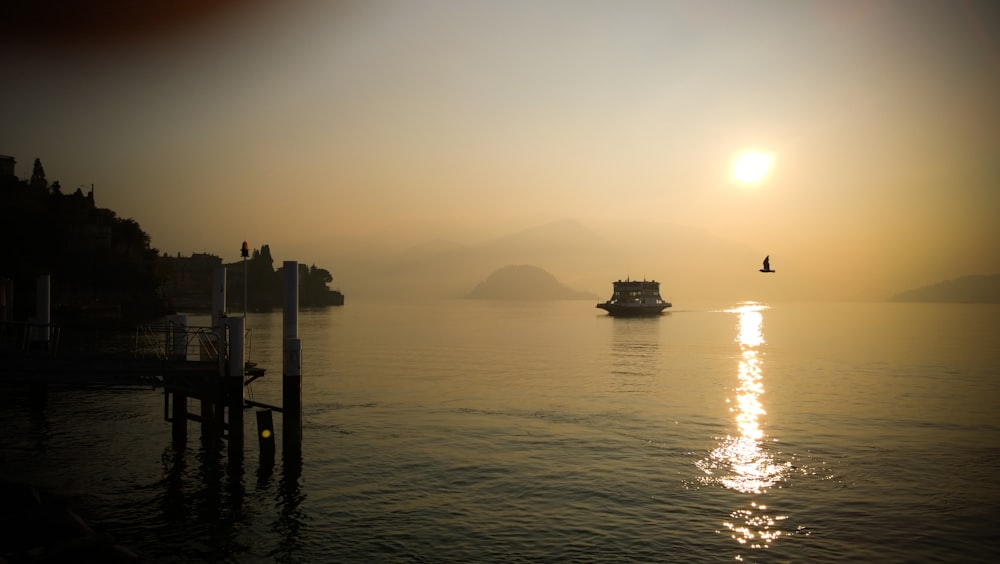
(415, 261)
(968, 289)
(582, 257)
(525, 282)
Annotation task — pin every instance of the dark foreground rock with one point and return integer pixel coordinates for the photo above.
(39, 526)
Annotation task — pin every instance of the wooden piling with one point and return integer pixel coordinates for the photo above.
(41, 333)
(291, 392)
(38, 395)
(291, 389)
(208, 395)
(234, 389)
(178, 418)
(265, 438)
(6, 299)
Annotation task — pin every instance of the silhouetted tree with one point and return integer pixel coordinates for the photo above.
(38, 176)
(313, 284)
(265, 286)
(313, 287)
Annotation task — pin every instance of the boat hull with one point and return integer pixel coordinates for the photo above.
(644, 310)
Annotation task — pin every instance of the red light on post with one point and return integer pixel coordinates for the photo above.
(245, 251)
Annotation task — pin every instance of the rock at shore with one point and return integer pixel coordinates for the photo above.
(39, 526)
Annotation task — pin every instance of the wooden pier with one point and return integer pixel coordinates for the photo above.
(188, 363)
(100, 370)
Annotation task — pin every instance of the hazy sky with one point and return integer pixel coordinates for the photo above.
(295, 122)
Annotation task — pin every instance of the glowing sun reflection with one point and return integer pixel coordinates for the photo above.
(741, 463)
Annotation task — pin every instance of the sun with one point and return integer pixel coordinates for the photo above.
(752, 166)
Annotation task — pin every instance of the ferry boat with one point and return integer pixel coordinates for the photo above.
(634, 298)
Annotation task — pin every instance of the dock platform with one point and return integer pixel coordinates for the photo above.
(100, 369)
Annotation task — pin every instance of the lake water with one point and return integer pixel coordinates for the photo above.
(461, 431)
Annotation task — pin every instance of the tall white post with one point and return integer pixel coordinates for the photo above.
(291, 366)
(235, 389)
(246, 280)
(218, 295)
(236, 364)
(290, 328)
(219, 313)
(178, 337)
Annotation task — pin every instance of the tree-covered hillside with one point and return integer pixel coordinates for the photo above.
(97, 260)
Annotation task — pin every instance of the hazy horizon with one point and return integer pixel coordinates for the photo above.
(340, 131)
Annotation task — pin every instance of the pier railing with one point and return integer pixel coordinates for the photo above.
(22, 337)
(172, 342)
(163, 341)
(167, 341)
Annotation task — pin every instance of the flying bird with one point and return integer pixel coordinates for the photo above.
(767, 264)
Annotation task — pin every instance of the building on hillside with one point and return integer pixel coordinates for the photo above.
(190, 285)
(7, 166)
